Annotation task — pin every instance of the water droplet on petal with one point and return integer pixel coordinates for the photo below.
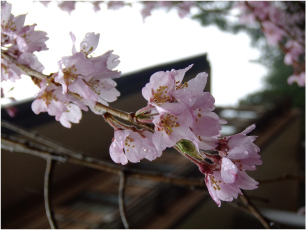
(84, 44)
(246, 153)
(88, 35)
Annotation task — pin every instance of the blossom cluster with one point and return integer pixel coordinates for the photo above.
(182, 114)
(183, 7)
(20, 42)
(89, 77)
(280, 28)
(225, 174)
(69, 6)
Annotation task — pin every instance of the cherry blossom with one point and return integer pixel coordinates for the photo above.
(132, 146)
(224, 168)
(90, 77)
(170, 128)
(30, 40)
(68, 6)
(185, 111)
(115, 5)
(294, 51)
(240, 149)
(20, 42)
(298, 78)
(64, 107)
(9, 71)
(219, 190)
(282, 28)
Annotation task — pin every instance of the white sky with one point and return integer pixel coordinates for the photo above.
(164, 37)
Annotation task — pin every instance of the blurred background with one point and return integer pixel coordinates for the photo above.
(247, 77)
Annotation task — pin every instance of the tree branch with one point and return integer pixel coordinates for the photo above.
(121, 199)
(254, 210)
(47, 187)
(42, 139)
(282, 178)
(27, 70)
(104, 166)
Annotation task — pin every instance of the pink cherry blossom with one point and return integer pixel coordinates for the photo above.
(96, 6)
(65, 108)
(170, 128)
(207, 124)
(219, 190)
(229, 171)
(294, 50)
(45, 3)
(178, 103)
(158, 92)
(10, 25)
(132, 146)
(90, 77)
(9, 71)
(73, 114)
(225, 174)
(30, 40)
(77, 67)
(184, 8)
(47, 100)
(240, 149)
(30, 60)
(68, 6)
(272, 32)
(148, 7)
(115, 5)
(20, 42)
(298, 78)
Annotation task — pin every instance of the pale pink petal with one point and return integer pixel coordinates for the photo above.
(89, 43)
(229, 171)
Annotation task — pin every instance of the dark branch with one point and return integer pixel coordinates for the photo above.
(47, 187)
(254, 210)
(42, 139)
(282, 178)
(121, 199)
(104, 166)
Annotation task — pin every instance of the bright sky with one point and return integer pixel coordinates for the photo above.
(163, 37)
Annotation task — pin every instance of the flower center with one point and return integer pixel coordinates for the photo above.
(9, 25)
(69, 76)
(128, 143)
(161, 95)
(48, 97)
(215, 183)
(168, 122)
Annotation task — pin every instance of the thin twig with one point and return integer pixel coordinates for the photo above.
(121, 199)
(12, 146)
(282, 178)
(40, 138)
(105, 166)
(254, 210)
(25, 69)
(47, 187)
